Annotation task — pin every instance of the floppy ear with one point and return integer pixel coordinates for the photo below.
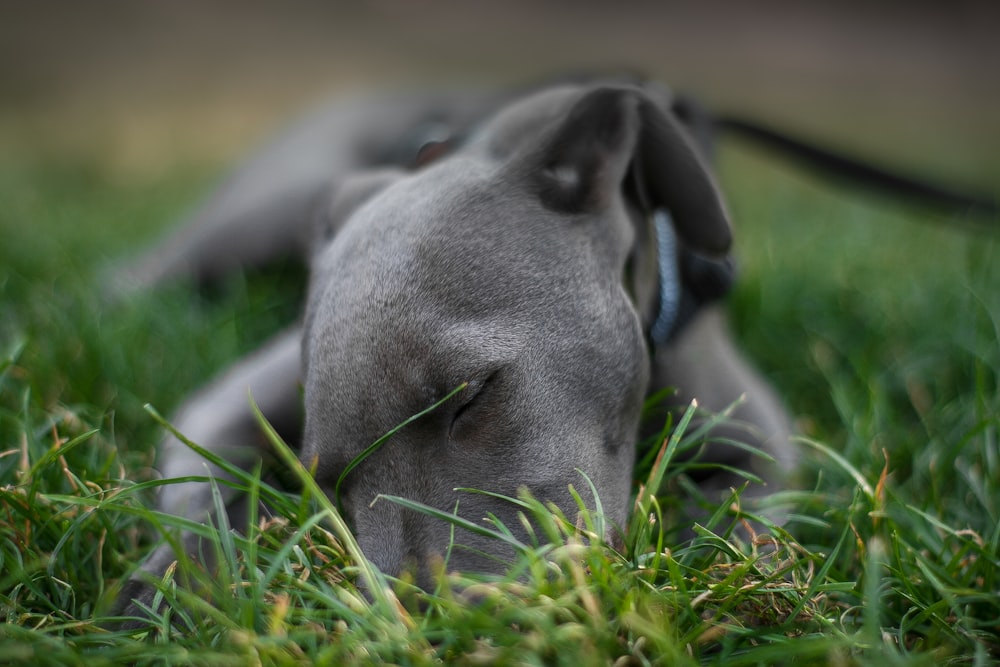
(344, 198)
(611, 132)
(671, 174)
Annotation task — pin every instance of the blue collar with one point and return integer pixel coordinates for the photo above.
(670, 279)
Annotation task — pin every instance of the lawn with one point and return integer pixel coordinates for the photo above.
(878, 323)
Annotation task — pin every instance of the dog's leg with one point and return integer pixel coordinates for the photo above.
(265, 209)
(219, 418)
(261, 212)
(703, 363)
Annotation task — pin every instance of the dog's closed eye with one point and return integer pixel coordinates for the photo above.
(472, 406)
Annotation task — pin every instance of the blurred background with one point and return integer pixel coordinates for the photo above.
(148, 83)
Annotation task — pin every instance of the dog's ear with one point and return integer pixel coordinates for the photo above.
(587, 158)
(343, 199)
(670, 173)
(613, 132)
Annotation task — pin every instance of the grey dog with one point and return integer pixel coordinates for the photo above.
(558, 251)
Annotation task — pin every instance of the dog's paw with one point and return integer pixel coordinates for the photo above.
(137, 602)
(134, 607)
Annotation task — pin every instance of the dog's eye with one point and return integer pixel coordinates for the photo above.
(473, 400)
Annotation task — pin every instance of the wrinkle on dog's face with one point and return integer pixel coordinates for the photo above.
(423, 291)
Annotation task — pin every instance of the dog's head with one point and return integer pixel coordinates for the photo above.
(522, 266)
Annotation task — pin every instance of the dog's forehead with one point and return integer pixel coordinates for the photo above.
(456, 230)
(429, 210)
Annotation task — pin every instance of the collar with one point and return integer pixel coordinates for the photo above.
(669, 277)
(687, 282)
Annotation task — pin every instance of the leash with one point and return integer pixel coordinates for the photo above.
(864, 174)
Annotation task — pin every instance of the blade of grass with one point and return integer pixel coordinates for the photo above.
(373, 578)
(372, 448)
(457, 521)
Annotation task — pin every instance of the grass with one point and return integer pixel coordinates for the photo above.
(878, 326)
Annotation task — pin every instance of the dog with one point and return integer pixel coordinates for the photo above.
(557, 254)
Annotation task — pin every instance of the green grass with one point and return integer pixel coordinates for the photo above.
(878, 326)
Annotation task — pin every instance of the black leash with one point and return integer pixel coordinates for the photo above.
(830, 163)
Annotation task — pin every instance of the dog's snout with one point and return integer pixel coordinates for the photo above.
(380, 533)
(404, 543)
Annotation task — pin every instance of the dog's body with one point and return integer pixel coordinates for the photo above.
(532, 260)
